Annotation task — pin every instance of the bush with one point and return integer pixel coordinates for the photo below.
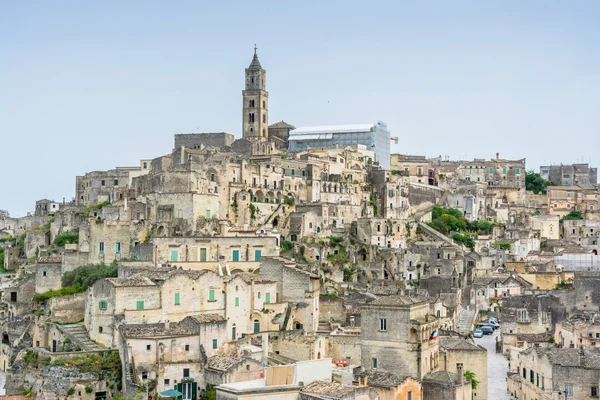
(502, 245)
(66, 237)
(85, 275)
(286, 246)
(66, 291)
(71, 391)
(572, 216)
(89, 389)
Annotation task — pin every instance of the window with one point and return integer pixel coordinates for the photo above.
(504, 170)
(409, 396)
(211, 295)
(212, 177)
(118, 248)
(207, 214)
(524, 373)
(569, 390)
(537, 380)
(256, 326)
(233, 335)
(267, 298)
(383, 324)
(148, 347)
(100, 329)
(44, 273)
(103, 305)
(517, 171)
(203, 254)
(594, 391)
(235, 255)
(177, 299)
(257, 255)
(116, 182)
(174, 255)
(186, 372)
(264, 118)
(13, 297)
(139, 305)
(374, 363)
(187, 347)
(167, 382)
(101, 247)
(144, 375)
(102, 183)
(215, 345)
(531, 375)
(237, 301)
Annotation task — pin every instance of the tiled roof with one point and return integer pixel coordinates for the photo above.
(382, 379)
(397, 300)
(452, 343)
(207, 318)
(131, 281)
(223, 363)
(329, 389)
(50, 260)
(154, 330)
(441, 376)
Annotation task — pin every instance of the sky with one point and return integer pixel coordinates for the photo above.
(87, 86)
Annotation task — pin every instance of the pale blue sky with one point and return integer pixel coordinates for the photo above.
(93, 85)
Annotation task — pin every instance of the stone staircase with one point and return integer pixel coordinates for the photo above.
(465, 324)
(324, 327)
(79, 335)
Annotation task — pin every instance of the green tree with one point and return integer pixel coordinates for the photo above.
(66, 237)
(470, 375)
(535, 183)
(572, 216)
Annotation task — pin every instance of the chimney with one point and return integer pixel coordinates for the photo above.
(167, 325)
(459, 373)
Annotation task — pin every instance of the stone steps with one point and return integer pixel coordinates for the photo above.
(79, 334)
(465, 323)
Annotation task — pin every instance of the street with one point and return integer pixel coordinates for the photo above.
(497, 368)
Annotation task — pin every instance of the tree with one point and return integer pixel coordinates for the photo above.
(470, 375)
(572, 216)
(535, 183)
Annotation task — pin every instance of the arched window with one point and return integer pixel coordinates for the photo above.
(318, 229)
(310, 225)
(264, 118)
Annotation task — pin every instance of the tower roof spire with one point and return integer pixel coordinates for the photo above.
(255, 64)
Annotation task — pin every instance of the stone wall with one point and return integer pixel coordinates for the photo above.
(344, 348)
(195, 140)
(67, 309)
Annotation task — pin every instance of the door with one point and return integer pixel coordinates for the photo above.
(256, 326)
(257, 254)
(236, 255)
(186, 391)
(54, 346)
(174, 255)
(202, 254)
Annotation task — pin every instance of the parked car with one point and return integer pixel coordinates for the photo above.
(494, 324)
(487, 330)
(478, 333)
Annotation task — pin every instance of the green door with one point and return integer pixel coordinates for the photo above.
(257, 254)
(174, 255)
(236, 255)
(202, 254)
(256, 326)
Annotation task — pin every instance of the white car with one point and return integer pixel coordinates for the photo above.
(478, 333)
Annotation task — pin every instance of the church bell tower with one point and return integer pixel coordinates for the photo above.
(255, 110)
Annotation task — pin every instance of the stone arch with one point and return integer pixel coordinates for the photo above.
(260, 197)
(270, 196)
(160, 231)
(275, 222)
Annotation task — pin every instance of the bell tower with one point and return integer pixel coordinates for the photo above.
(255, 109)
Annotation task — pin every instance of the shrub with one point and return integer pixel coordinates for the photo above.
(66, 237)
(71, 391)
(572, 216)
(86, 275)
(89, 389)
(503, 245)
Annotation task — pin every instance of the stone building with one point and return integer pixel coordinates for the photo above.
(551, 373)
(444, 385)
(399, 336)
(390, 386)
(529, 314)
(458, 351)
(569, 175)
(200, 140)
(418, 168)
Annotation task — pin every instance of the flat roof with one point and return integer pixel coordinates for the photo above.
(323, 129)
